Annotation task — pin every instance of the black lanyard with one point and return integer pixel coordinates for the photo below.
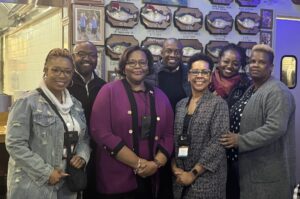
(67, 132)
(134, 115)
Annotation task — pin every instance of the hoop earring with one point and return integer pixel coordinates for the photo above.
(71, 83)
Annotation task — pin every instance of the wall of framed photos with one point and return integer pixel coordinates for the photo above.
(202, 26)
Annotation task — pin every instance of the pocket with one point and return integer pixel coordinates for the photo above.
(42, 123)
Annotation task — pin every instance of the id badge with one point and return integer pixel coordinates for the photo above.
(183, 151)
(146, 123)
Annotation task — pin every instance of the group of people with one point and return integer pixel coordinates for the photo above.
(165, 130)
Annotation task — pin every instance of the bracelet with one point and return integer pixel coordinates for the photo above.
(157, 163)
(195, 172)
(137, 167)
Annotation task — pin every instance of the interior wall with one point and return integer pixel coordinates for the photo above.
(25, 51)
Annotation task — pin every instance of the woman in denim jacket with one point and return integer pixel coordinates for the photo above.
(35, 135)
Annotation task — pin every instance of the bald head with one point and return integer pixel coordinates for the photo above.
(172, 53)
(85, 58)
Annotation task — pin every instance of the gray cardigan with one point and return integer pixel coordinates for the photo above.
(267, 143)
(209, 121)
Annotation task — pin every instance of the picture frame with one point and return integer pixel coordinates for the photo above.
(112, 76)
(91, 2)
(182, 3)
(266, 38)
(101, 67)
(266, 19)
(88, 24)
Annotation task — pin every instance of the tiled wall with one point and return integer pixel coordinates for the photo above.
(25, 53)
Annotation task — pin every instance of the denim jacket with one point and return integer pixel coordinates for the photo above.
(34, 141)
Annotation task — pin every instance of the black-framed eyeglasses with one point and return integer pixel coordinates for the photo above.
(133, 63)
(82, 54)
(205, 73)
(59, 71)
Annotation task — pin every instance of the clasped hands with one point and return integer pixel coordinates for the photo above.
(58, 174)
(146, 168)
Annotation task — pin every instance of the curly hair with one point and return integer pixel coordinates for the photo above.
(125, 56)
(241, 51)
(200, 57)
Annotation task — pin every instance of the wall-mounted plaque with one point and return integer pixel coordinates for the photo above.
(155, 16)
(188, 19)
(222, 2)
(190, 47)
(266, 38)
(218, 22)
(155, 46)
(247, 46)
(248, 3)
(266, 16)
(119, 14)
(213, 49)
(168, 2)
(116, 44)
(247, 23)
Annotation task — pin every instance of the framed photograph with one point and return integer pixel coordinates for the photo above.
(266, 37)
(168, 2)
(112, 76)
(100, 69)
(88, 24)
(266, 19)
(91, 2)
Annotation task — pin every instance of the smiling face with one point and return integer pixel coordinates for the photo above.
(58, 74)
(85, 58)
(171, 54)
(136, 67)
(230, 63)
(199, 76)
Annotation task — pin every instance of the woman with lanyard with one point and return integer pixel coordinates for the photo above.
(132, 124)
(199, 165)
(35, 137)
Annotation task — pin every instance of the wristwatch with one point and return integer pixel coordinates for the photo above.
(195, 172)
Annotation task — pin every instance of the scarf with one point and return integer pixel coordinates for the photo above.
(223, 86)
(63, 108)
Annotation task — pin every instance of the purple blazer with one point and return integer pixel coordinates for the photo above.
(111, 128)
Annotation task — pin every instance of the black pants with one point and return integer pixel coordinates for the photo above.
(165, 190)
(232, 184)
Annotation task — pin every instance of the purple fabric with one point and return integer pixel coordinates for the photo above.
(110, 125)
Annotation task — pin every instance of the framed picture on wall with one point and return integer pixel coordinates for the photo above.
(266, 37)
(88, 24)
(112, 76)
(266, 19)
(167, 2)
(101, 67)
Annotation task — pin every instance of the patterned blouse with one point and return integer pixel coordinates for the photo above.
(235, 115)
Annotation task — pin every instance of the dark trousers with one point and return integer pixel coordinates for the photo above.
(165, 190)
(90, 191)
(232, 184)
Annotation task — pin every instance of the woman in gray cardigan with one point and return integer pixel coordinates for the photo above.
(199, 165)
(267, 138)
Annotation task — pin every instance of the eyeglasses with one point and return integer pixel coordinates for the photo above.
(82, 54)
(204, 73)
(133, 63)
(58, 72)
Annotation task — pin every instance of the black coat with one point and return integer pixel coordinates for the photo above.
(86, 97)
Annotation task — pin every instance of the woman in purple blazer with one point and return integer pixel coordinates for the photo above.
(132, 124)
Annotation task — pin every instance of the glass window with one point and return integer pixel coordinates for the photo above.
(288, 72)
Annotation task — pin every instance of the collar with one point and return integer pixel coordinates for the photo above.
(83, 79)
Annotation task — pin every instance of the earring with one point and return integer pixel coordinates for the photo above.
(71, 83)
